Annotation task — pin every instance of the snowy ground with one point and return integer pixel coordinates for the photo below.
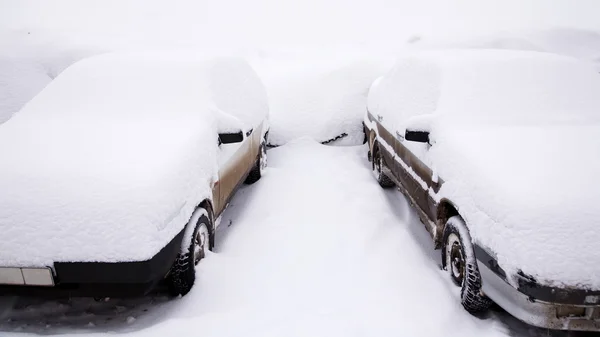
(316, 248)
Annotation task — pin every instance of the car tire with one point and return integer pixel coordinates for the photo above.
(378, 165)
(458, 258)
(182, 275)
(259, 167)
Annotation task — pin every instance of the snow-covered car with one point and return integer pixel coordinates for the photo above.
(498, 152)
(322, 98)
(113, 176)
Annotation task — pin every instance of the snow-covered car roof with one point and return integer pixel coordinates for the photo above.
(116, 153)
(488, 86)
(515, 139)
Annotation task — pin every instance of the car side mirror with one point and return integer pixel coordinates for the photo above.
(231, 137)
(417, 136)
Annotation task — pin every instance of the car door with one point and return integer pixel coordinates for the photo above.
(409, 93)
(417, 175)
(233, 165)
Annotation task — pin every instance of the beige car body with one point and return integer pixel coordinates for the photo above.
(234, 170)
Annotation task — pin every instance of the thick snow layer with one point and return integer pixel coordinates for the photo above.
(580, 43)
(20, 79)
(26, 67)
(515, 139)
(116, 153)
(264, 27)
(350, 260)
(320, 99)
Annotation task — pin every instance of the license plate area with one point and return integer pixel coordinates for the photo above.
(26, 276)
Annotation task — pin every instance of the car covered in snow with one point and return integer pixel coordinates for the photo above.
(498, 152)
(321, 98)
(113, 177)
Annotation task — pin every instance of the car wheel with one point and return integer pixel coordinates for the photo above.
(259, 167)
(378, 165)
(458, 258)
(183, 272)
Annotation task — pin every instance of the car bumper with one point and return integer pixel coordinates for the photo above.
(550, 313)
(102, 279)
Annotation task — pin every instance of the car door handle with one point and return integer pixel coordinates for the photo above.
(249, 132)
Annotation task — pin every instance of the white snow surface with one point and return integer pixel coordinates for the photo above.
(515, 139)
(265, 30)
(301, 257)
(109, 161)
(580, 43)
(320, 98)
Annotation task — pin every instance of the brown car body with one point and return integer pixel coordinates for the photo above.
(537, 304)
(432, 213)
(234, 171)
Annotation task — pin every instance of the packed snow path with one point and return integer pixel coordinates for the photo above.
(315, 248)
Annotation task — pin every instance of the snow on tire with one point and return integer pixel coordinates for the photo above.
(458, 258)
(259, 167)
(183, 272)
(378, 165)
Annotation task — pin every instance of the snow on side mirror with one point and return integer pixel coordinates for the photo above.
(417, 128)
(417, 136)
(229, 127)
(231, 137)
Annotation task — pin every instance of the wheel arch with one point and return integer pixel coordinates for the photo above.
(445, 210)
(372, 139)
(206, 205)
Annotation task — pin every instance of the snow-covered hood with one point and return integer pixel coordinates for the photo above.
(528, 193)
(98, 192)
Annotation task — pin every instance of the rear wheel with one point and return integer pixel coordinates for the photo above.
(458, 258)
(378, 165)
(183, 272)
(259, 167)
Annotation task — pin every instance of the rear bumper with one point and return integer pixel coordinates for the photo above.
(102, 279)
(543, 307)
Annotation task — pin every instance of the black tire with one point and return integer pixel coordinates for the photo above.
(378, 165)
(458, 258)
(183, 272)
(257, 170)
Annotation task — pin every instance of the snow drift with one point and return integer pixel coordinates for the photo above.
(322, 99)
(116, 153)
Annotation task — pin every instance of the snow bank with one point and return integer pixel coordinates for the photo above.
(323, 99)
(116, 153)
(507, 130)
(26, 67)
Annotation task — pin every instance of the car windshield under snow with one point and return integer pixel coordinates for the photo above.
(521, 91)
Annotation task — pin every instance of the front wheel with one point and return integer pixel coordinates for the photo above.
(378, 165)
(259, 167)
(183, 272)
(458, 258)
